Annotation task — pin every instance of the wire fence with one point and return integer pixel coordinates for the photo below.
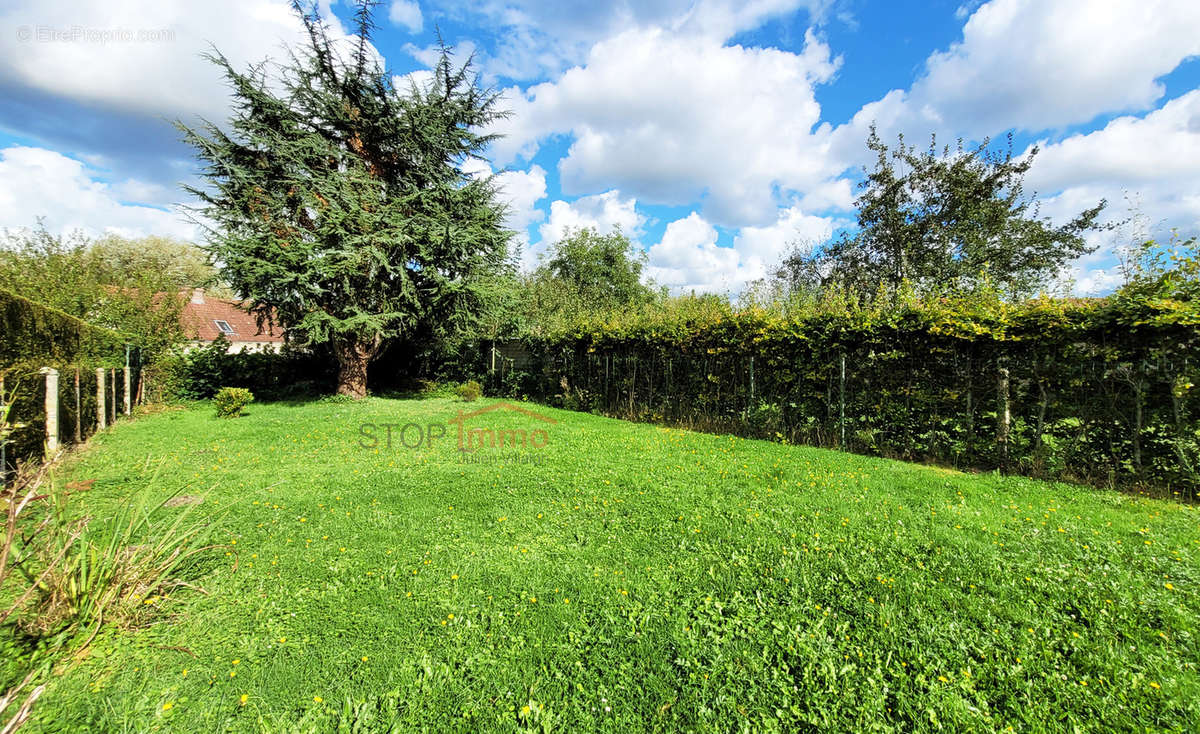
(1100, 406)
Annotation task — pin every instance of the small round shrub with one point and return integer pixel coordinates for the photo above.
(231, 400)
(470, 390)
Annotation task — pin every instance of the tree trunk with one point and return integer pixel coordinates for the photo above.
(353, 356)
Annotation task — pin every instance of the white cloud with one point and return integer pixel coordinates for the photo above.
(164, 77)
(35, 182)
(541, 38)
(85, 80)
(1154, 159)
(762, 248)
(688, 257)
(521, 190)
(1037, 65)
(406, 14)
(605, 213)
(739, 136)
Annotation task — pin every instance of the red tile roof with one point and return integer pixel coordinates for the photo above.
(201, 313)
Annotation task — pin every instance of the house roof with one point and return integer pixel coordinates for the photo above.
(201, 314)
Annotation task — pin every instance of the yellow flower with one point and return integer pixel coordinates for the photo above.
(244, 698)
(1154, 685)
(1169, 586)
(318, 699)
(168, 706)
(943, 679)
(454, 577)
(235, 662)
(525, 710)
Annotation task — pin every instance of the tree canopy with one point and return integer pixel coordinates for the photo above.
(946, 218)
(337, 203)
(136, 295)
(603, 269)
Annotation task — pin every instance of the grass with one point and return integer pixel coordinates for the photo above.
(629, 577)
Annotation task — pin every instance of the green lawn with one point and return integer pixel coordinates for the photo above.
(628, 577)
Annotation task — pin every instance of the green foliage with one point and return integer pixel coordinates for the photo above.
(470, 391)
(198, 374)
(178, 265)
(1097, 389)
(339, 203)
(601, 269)
(230, 401)
(683, 582)
(102, 283)
(64, 574)
(938, 219)
(37, 335)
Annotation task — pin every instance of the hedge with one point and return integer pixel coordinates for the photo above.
(33, 336)
(1099, 391)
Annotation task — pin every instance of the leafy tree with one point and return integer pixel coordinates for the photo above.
(946, 218)
(605, 270)
(179, 264)
(72, 274)
(339, 204)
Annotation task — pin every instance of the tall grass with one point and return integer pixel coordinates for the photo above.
(63, 574)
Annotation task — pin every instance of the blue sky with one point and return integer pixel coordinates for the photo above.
(714, 132)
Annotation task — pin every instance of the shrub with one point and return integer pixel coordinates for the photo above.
(231, 400)
(470, 391)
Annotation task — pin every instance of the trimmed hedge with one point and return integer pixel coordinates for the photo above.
(1099, 391)
(33, 336)
(31, 333)
(198, 374)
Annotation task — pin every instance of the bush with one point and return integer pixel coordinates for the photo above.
(470, 391)
(1094, 390)
(198, 373)
(231, 400)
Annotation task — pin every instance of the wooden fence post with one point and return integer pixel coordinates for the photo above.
(127, 396)
(112, 378)
(51, 410)
(1005, 417)
(101, 410)
(3, 444)
(842, 402)
(78, 410)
